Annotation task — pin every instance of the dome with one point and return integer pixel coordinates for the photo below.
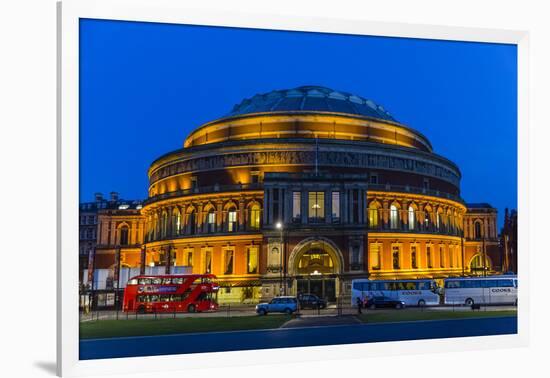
(311, 99)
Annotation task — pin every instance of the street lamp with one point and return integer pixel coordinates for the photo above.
(279, 226)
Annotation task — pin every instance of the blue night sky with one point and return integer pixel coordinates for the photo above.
(145, 86)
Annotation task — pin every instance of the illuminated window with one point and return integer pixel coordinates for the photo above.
(395, 257)
(375, 260)
(252, 260)
(316, 206)
(336, 207)
(176, 222)
(208, 262)
(189, 258)
(296, 206)
(373, 215)
(429, 256)
(412, 218)
(394, 217)
(254, 218)
(441, 257)
(414, 263)
(228, 261)
(232, 220)
(211, 221)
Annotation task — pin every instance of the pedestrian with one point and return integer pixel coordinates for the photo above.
(359, 305)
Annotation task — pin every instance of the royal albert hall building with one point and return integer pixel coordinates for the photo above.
(302, 190)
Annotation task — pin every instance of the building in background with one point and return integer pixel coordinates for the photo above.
(509, 241)
(482, 251)
(301, 190)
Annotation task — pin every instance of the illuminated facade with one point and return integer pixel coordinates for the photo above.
(302, 190)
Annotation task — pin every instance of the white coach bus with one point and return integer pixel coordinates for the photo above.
(412, 292)
(481, 290)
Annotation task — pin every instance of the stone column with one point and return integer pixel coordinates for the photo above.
(241, 214)
(304, 205)
(143, 259)
(168, 252)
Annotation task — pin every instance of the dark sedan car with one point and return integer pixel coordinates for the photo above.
(311, 301)
(384, 302)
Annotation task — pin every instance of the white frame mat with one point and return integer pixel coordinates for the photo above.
(177, 12)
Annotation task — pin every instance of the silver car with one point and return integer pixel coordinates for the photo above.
(286, 305)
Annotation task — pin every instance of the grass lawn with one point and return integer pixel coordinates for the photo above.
(145, 327)
(378, 316)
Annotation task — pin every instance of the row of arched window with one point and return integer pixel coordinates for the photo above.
(191, 220)
(412, 219)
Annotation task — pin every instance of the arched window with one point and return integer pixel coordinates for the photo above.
(427, 219)
(254, 217)
(123, 235)
(373, 215)
(191, 222)
(394, 217)
(176, 222)
(477, 230)
(232, 220)
(412, 218)
(211, 221)
(480, 264)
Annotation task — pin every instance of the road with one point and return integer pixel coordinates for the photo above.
(293, 337)
(250, 311)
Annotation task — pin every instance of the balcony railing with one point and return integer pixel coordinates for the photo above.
(203, 190)
(414, 190)
(417, 229)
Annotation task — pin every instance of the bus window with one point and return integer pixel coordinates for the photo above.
(505, 283)
(133, 281)
(452, 284)
(166, 281)
(410, 285)
(177, 280)
(424, 286)
(144, 281)
(156, 281)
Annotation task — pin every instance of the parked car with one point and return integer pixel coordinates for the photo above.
(311, 301)
(384, 302)
(287, 305)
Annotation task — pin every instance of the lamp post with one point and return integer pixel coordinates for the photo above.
(279, 226)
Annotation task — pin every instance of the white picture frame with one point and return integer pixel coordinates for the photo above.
(177, 12)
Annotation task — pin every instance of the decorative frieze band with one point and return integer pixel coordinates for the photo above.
(327, 158)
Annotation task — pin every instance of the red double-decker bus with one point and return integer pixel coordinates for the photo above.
(171, 293)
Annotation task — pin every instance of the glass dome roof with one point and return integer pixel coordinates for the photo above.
(310, 99)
